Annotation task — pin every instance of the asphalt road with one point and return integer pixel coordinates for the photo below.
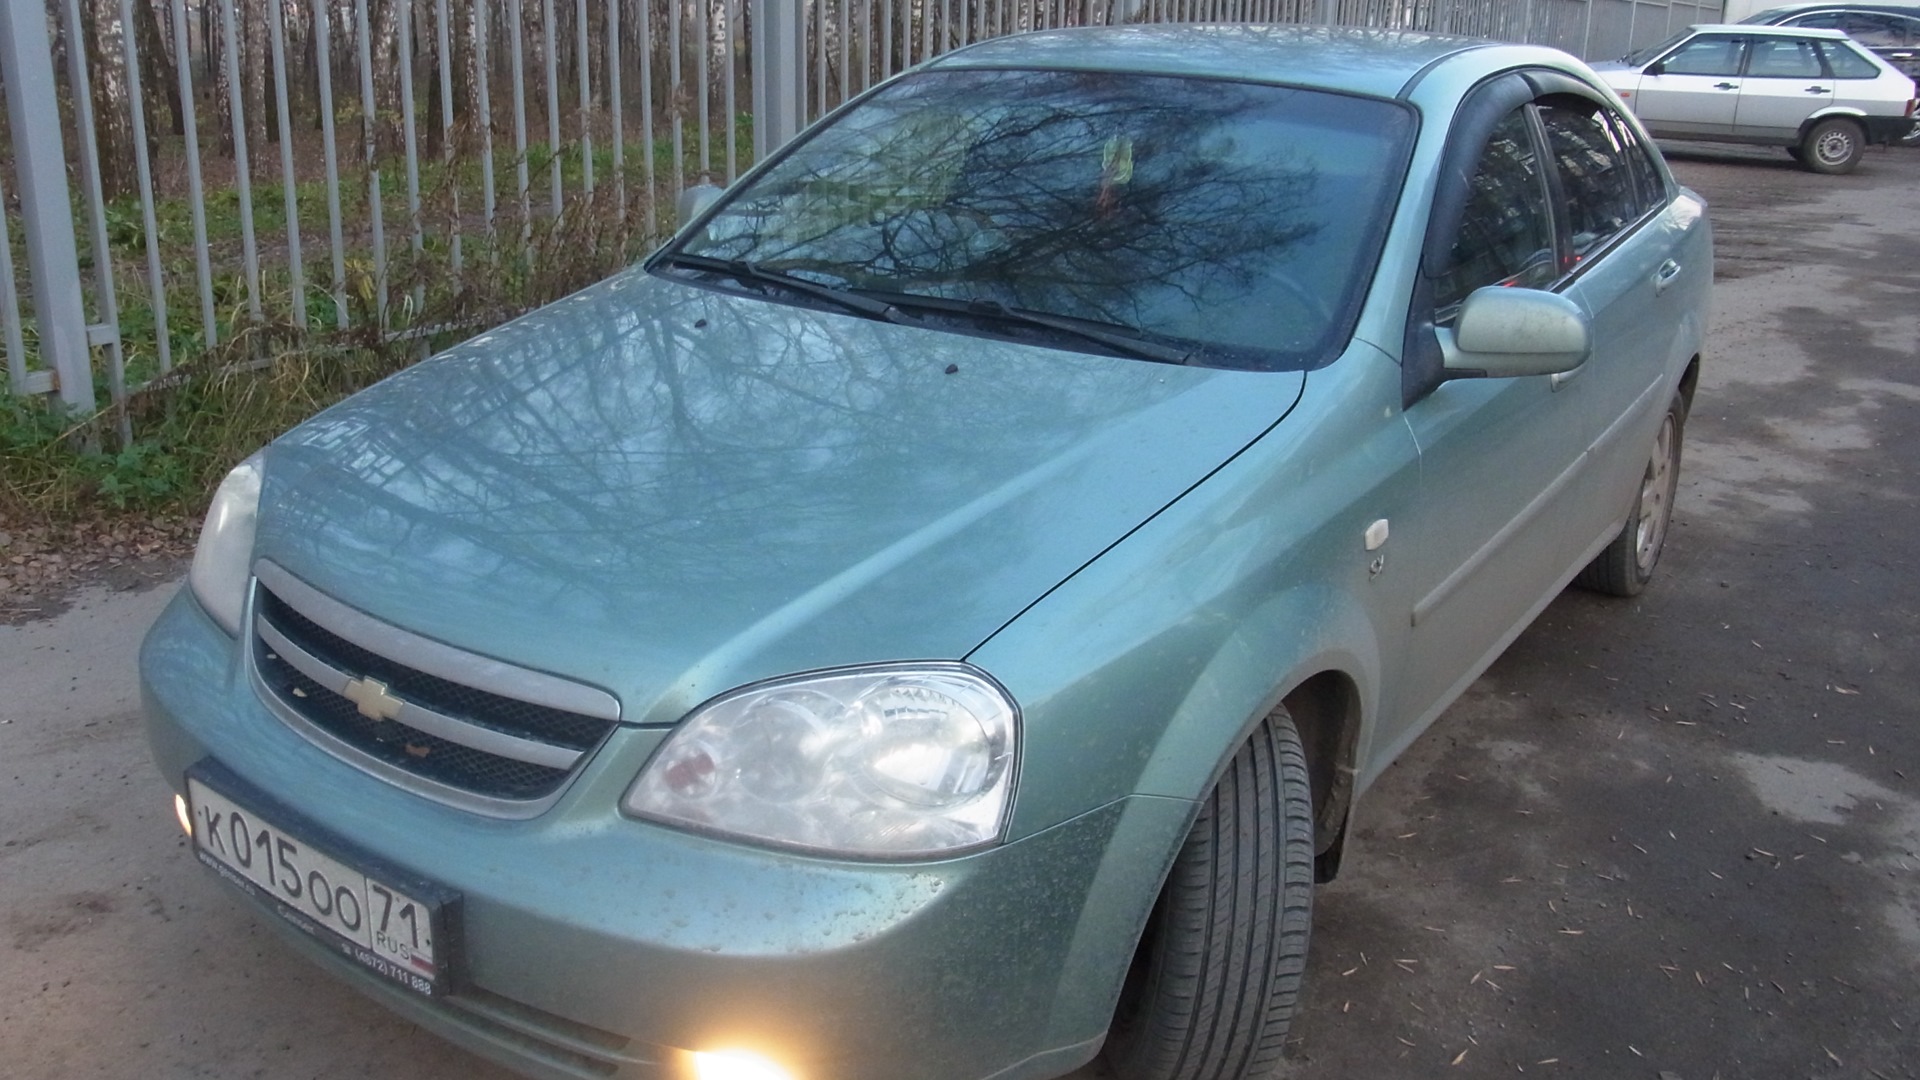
(1677, 836)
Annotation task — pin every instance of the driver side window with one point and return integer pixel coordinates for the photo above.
(1506, 232)
(1705, 55)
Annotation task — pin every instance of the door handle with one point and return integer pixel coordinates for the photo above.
(1816, 89)
(1668, 273)
(1726, 86)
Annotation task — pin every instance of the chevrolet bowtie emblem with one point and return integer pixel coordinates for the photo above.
(372, 698)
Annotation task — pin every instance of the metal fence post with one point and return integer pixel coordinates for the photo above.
(33, 109)
(779, 45)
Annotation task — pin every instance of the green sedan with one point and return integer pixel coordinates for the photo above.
(935, 618)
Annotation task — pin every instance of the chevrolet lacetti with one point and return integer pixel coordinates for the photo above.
(934, 618)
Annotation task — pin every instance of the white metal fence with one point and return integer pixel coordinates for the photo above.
(236, 178)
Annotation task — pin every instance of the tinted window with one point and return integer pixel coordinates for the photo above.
(1868, 28)
(1711, 54)
(1238, 218)
(1506, 232)
(1647, 178)
(1846, 62)
(1596, 177)
(1782, 58)
(1873, 31)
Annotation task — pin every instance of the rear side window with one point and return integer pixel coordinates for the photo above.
(1647, 177)
(1784, 58)
(1711, 54)
(1602, 193)
(1846, 62)
(1506, 231)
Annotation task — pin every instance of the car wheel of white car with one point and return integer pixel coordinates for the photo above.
(1216, 977)
(1626, 565)
(1833, 146)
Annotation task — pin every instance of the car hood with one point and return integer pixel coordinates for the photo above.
(668, 491)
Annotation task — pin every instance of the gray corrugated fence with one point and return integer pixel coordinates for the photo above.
(240, 179)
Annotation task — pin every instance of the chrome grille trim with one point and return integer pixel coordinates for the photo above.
(433, 657)
(433, 723)
(447, 794)
(267, 646)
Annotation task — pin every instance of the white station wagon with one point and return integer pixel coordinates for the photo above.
(1815, 92)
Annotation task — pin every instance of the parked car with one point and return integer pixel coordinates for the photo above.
(1891, 30)
(934, 618)
(1814, 92)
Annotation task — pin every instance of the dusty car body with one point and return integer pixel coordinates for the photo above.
(773, 665)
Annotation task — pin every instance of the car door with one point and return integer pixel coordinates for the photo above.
(1784, 85)
(1902, 49)
(1694, 89)
(1487, 535)
(1636, 274)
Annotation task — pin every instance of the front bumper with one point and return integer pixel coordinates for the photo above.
(595, 945)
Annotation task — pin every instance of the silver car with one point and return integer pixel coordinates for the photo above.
(1815, 92)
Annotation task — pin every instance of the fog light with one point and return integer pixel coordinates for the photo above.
(736, 1065)
(180, 811)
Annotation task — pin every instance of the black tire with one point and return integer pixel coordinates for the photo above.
(1626, 565)
(1833, 146)
(1797, 154)
(1216, 977)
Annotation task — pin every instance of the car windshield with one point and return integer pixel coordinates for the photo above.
(1214, 222)
(1645, 54)
(1767, 17)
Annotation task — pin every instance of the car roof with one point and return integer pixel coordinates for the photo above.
(1875, 9)
(1373, 62)
(1753, 29)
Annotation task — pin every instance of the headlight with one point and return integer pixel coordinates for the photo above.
(222, 561)
(881, 762)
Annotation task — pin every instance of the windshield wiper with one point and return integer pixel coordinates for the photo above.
(1124, 340)
(743, 270)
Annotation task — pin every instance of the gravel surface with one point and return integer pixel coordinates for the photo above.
(42, 566)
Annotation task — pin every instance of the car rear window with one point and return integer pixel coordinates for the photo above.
(1847, 62)
(1242, 220)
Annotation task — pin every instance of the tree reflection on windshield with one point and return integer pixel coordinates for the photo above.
(1240, 218)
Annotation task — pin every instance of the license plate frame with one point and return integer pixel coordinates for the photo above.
(416, 945)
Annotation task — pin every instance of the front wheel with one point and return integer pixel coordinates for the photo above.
(1216, 977)
(1625, 566)
(1833, 146)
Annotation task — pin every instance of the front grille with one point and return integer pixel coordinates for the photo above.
(425, 725)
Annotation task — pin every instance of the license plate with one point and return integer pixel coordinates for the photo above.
(393, 929)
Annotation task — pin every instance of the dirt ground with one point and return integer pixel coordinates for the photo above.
(1677, 837)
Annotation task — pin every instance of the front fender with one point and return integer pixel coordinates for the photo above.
(1303, 632)
(1143, 672)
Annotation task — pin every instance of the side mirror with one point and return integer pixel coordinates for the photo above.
(1659, 67)
(694, 201)
(1503, 333)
